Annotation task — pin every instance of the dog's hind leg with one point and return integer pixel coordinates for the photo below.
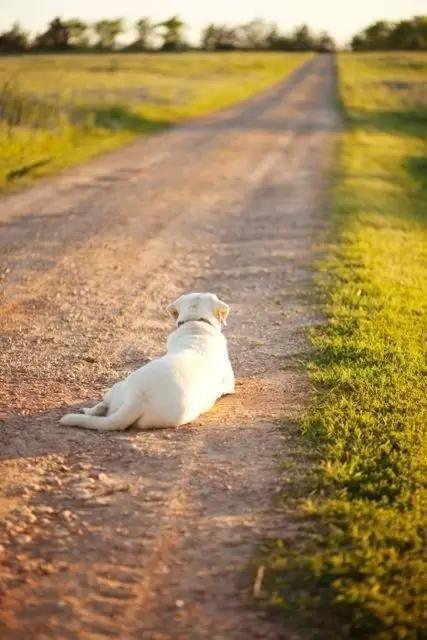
(121, 419)
(99, 409)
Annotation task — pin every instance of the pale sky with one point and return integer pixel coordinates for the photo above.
(342, 18)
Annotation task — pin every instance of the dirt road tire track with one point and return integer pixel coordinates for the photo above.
(153, 535)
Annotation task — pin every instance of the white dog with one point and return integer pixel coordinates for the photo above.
(179, 386)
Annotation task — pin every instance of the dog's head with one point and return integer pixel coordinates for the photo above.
(206, 307)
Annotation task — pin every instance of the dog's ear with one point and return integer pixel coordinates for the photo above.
(173, 310)
(221, 311)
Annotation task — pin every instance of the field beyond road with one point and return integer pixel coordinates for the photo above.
(58, 110)
(366, 564)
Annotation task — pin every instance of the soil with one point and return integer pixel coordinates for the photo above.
(156, 535)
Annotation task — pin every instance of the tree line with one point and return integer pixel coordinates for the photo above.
(409, 35)
(169, 35)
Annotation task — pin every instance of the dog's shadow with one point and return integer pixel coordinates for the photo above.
(40, 434)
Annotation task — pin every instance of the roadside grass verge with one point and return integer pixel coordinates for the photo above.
(56, 111)
(361, 570)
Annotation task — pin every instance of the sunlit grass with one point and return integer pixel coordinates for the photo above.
(365, 560)
(75, 106)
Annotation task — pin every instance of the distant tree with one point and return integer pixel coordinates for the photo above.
(377, 36)
(259, 34)
(325, 43)
(77, 33)
(302, 38)
(358, 42)
(173, 34)
(219, 38)
(402, 36)
(419, 40)
(209, 37)
(273, 36)
(410, 34)
(13, 41)
(145, 30)
(406, 35)
(55, 37)
(255, 34)
(107, 32)
(281, 42)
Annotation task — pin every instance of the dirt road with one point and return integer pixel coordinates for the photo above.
(154, 535)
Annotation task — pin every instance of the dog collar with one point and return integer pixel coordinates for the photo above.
(195, 320)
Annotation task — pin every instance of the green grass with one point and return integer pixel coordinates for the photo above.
(362, 567)
(58, 110)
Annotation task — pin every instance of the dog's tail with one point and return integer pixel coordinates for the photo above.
(121, 419)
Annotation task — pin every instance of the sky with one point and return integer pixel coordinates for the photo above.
(342, 18)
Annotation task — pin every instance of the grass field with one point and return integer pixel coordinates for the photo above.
(365, 562)
(59, 110)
